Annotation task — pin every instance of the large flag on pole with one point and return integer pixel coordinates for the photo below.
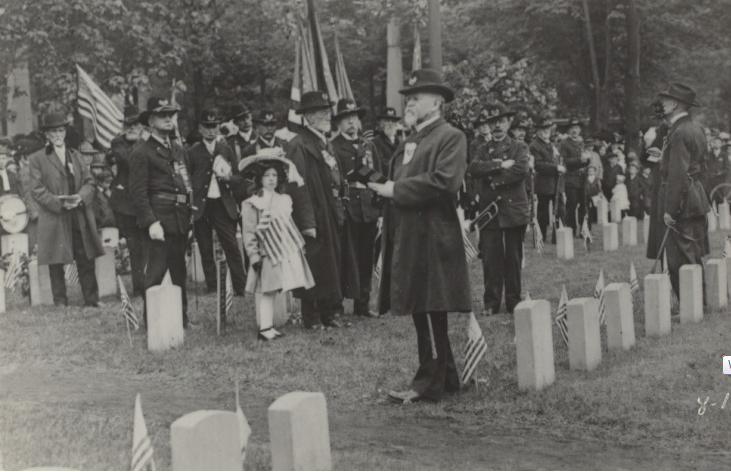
(295, 93)
(94, 104)
(142, 451)
(341, 75)
(325, 80)
(475, 349)
(416, 58)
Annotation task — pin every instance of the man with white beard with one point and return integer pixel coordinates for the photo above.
(424, 266)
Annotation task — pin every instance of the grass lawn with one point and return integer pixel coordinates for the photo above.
(68, 379)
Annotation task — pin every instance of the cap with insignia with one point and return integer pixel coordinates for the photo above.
(157, 106)
(313, 101)
(389, 114)
(266, 118)
(497, 110)
(429, 81)
(347, 106)
(210, 117)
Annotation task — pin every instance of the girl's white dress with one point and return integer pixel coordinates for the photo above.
(620, 196)
(276, 242)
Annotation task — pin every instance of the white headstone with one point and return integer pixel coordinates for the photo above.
(565, 243)
(620, 318)
(299, 432)
(657, 305)
(691, 293)
(728, 276)
(206, 440)
(164, 317)
(109, 237)
(2, 291)
(602, 211)
(724, 217)
(716, 284)
(646, 228)
(534, 344)
(105, 269)
(40, 284)
(585, 349)
(17, 243)
(196, 265)
(629, 231)
(19, 104)
(712, 221)
(616, 213)
(610, 237)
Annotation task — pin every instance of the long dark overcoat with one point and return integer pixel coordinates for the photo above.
(546, 165)
(201, 169)
(424, 265)
(315, 206)
(657, 195)
(48, 181)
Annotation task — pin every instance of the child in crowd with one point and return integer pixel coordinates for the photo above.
(620, 197)
(272, 241)
(593, 192)
(636, 190)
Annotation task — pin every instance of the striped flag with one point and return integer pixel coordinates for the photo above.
(296, 91)
(726, 249)
(279, 238)
(221, 295)
(475, 349)
(586, 234)
(71, 274)
(562, 315)
(244, 428)
(128, 311)
(634, 283)
(229, 291)
(95, 105)
(416, 59)
(665, 269)
(142, 451)
(470, 251)
(378, 268)
(341, 75)
(537, 236)
(13, 272)
(324, 77)
(599, 294)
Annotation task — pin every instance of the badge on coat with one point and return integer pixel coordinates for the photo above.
(409, 149)
(329, 159)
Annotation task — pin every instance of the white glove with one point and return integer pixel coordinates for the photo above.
(221, 168)
(156, 232)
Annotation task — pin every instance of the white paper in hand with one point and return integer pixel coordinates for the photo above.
(221, 167)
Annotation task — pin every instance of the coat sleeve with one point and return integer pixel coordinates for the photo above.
(446, 177)
(249, 220)
(519, 171)
(39, 191)
(87, 189)
(677, 178)
(302, 209)
(482, 168)
(138, 188)
(543, 164)
(571, 160)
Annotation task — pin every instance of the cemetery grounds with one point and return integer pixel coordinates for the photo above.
(68, 379)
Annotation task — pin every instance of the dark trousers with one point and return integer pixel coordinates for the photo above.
(363, 236)
(686, 246)
(216, 217)
(543, 215)
(163, 256)
(574, 202)
(316, 312)
(437, 371)
(135, 238)
(502, 256)
(85, 268)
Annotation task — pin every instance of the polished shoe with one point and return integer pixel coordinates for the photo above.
(268, 334)
(407, 396)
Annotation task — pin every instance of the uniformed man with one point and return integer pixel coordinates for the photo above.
(124, 213)
(160, 188)
(682, 196)
(482, 135)
(246, 135)
(361, 210)
(548, 170)
(521, 127)
(576, 162)
(716, 168)
(500, 171)
(266, 126)
(214, 176)
(318, 211)
(385, 139)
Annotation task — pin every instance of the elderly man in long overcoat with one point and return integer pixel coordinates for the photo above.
(64, 190)
(318, 211)
(683, 198)
(424, 266)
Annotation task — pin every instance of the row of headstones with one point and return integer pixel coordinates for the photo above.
(610, 236)
(720, 218)
(534, 333)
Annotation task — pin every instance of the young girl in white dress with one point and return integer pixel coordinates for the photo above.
(272, 241)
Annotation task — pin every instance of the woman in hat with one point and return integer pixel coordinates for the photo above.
(272, 241)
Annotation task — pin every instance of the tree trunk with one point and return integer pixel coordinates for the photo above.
(632, 81)
(596, 84)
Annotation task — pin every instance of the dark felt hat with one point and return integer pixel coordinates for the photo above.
(574, 121)
(681, 93)
(389, 114)
(210, 117)
(347, 106)
(266, 117)
(239, 111)
(495, 111)
(157, 106)
(544, 122)
(430, 81)
(313, 101)
(131, 115)
(54, 119)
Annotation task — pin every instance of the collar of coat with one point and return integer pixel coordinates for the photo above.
(166, 153)
(426, 130)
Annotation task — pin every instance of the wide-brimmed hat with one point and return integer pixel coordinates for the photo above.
(495, 111)
(574, 121)
(430, 81)
(681, 93)
(209, 117)
(266, 118)
(544, 122)
(54, 119)
(389, 114)
(313, 101)
(482, 118)
(87, 148)
(347, 106)
(157, 106)
(131, 115)
(239, 111)
(266, 158)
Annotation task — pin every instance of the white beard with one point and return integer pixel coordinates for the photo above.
(410, 119)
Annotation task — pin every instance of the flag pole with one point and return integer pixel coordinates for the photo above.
(129, 334)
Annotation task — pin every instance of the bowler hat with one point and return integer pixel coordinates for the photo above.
(209, 117)
(157, 106)
(313, 101)
(430, 81)
(131, 115)
(87, 148)
(389, 114)
(544, 122)
(495, 111)
(681, 93)
(239, 111)
(54, 119)
(266, 117)
(347, 106)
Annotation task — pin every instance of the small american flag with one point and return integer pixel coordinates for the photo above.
(537, 237)
(726, 249)
(599, 294)
(378, 268)
(229, 291)
(128, 311)
(221, 295)
(142, 451)
(475, 349)
(586, 234)
(561, 316)
(244, 428)
(71, 274)
(14, 270)
(634, 283)
(469, 249)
